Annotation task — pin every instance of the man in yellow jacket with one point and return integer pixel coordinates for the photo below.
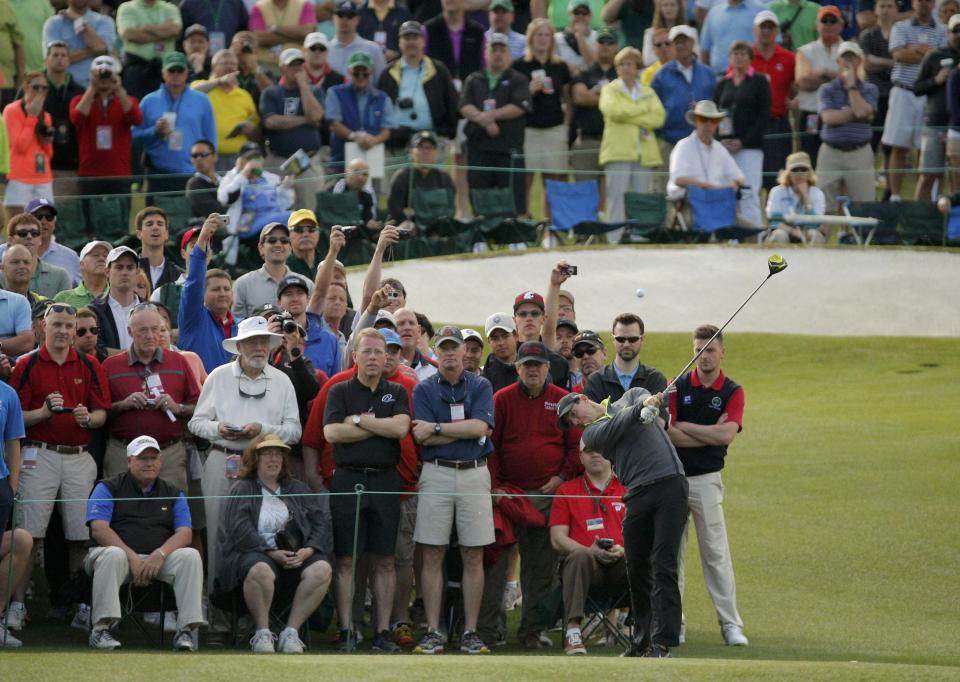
(631, 113)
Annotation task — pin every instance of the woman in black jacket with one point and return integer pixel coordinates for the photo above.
(745, 96)
(275, 535)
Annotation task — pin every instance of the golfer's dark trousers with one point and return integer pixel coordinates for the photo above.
(652, 531)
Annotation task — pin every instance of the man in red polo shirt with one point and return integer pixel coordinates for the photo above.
(587, 514)
(154, 392)
(65, 396)
(777, 64)
(533, 453)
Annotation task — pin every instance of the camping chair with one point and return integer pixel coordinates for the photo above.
(109, 217)
(600, 602)
(178, 210)
(279, 610)
(921, 223)
(574, 207)
(338, 208)
(646, 214)
(953, 225)
(887, 214)
(715, 213)
(497, 217)
(72, 223)
(434, 211)
(135, 600)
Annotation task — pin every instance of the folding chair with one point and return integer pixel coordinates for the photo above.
(921, 223)
(179, 215)
(953, 225)
(646, 214)
(434, 214)
(72, 223)
(574, 207)
(497, 218)
(338, 208)
(237, 607)
(715, 213)
(156, 597)
(887, 214)
(109, 217)
(600, 602)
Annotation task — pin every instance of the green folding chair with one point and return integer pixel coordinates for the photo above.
(338, 208)
(497, 219)
(434, 211)
(109, 217)
(921, 223)
(72, 223)
(646, 214)
(179, 215)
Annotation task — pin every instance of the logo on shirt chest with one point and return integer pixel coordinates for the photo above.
(688, 400)
(547, 405)
(715, 402)
(78, 381)
(387, 398)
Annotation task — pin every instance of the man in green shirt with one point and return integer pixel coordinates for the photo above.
(93, 276)
(304, 239)
(148, 29)
(802, 15)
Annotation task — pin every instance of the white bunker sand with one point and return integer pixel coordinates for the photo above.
(856, 292)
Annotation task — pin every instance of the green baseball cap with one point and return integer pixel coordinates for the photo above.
(359, 59)
(172, 59)
(574, 4)
(607, 35)
(501, 4)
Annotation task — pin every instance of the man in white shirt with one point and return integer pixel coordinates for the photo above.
(698, 160)
(113, 309)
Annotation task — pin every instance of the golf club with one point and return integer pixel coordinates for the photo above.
(775, 264)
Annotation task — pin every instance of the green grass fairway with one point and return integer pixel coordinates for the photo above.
(842, 511)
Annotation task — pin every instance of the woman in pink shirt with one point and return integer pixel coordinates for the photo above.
(30, 134)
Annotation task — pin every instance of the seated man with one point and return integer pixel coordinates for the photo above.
(254, 196)
(423, 175)
(579, 531)
(357, 180)
(142, 537)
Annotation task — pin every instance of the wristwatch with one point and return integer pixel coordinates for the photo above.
(436, 429)
(356, 420)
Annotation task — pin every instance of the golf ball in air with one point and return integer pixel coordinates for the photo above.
(641, 292)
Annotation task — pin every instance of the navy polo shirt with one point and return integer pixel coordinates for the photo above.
(434, 399)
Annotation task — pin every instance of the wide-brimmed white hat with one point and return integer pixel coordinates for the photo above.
(705, 108)
(250, 327)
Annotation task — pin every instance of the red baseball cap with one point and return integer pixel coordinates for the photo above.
(187, 236)
(828, 10)
(528, 297)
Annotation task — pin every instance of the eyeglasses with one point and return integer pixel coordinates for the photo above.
(277, 240)
(308, 229)
(829, 20)
(48, 217)
(580, 352)
(529, 313)
(200, 155)
(60, 308)
(82, 331)
(627, 339)
(318, 48)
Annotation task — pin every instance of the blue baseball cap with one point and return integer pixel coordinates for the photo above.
(391, 337)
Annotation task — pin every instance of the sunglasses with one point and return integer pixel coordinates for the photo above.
(141, 306)
(580, 352)
(800, 169)
(627, 339)
(360, 73)
(255, 396)
(200, 155)
(829, 20)
(23, 234)
(277, 240)
(49, 217)
(345, 15)
(581, 12)
(318, 48)
(529, 313)
(60, 308)
(176, 69)
(665, 43)
(308, 229)
(82, 331)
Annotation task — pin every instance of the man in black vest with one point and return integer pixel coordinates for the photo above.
(707, 414)
(142, 527)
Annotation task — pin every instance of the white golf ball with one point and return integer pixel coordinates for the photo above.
(641, 293)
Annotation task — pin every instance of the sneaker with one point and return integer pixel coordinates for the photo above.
(512, 598)
(403, 636)
(103, 640)
(8, 641)
(733, 635)
(183, 641)
(545, 639)
(657, 651)
(471, 643)
(262, 642)
(573, 645)
(432, 643)
(16, 615)
(81, 617)
(290, 642)
(170, 621)
(384, 642)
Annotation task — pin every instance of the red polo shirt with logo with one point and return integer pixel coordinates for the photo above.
(779, 70)
(590, 513)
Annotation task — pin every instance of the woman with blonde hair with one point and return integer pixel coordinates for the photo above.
(545, 145)
(796, 193)
(666, 15)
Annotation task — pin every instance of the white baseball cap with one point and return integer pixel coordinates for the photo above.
(315, 38)
(138, 445)
(290, 55)
(106, 63)
(765, 16)
(682, 30)
(90, 246)
(118, 251)
(499, 321)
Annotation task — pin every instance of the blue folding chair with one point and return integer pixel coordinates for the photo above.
(953, 225)
(574, 207)
(715, 213)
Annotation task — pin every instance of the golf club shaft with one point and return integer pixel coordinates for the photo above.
(718, 332)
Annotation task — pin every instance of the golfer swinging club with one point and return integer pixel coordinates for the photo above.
(630, 435)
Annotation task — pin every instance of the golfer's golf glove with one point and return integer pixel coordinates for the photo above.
(649, 414)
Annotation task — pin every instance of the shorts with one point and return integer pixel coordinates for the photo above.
(22, 193)
(379, 514)
(904, 119)
(408, 523)
(448, 495)
(286, 579)
(73, 476)
(6, 502)
(953, 143)
(933, 148)
(545, 149)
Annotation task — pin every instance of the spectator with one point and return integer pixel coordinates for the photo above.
(666, 15)
(153, 232)
(501, 17)
(878, 64)
(292, 113)
(626, 371)
(55, 377)
(113, 309)
(274, 539)
(685, 74)
(16, 330)
(280, 25)
(632, 19)
(348, 42)
(31, 135)
(779, 66)
(252, 77)
(932, 83)
(816, 66)
(380, 22)
(48, 280)
(796, 193)
(96, 37)
(142, 286)
(174, 117)
(12, 54)
(321, 348)
(148, 384)
(727, 21)
(258, 287)
(746, 95)
(49, 249)
(456, 41)
(631, 114)
(501, 333)
(319, 71)
(234, 111)
(495, 102)
(566, 333)
(254, 197)
(93, 276)
(356, 179)
(472, 351)
(846, 106)
(149, 29)
(169, 294)
(357, 112)
(577, 525)
(545, 145)
(202, 187)
(205, 319)
(103, 116)
(575, 45)
(57, 103)
(222, 20)
(454, 440)
(16, 546)
(304, 237)
(663, 52)
(797, 21)
(697, 161)
(142, 541)
(18, 266)
(423, 175)
(409, 329)
(587, 124)
(421, 90)
(527, 324)
(591, 355)
(196, 47)
(85, 340)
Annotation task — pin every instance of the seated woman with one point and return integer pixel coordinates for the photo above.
(254, 197)
(796, 192)
(270, 542)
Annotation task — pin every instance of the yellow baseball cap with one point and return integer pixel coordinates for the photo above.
(300, 215)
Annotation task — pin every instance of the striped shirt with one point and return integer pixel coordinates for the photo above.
(911, 32)
(833, 95)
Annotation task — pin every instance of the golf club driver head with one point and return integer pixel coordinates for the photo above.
(776, 264)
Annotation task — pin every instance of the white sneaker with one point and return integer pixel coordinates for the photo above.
(733, 635)
(290, 642)
(544, 639)
(103, 640)
(183, 641)
(16, 615)
(81, 617)
(8, 641)
(512, 597)
(262, 642)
